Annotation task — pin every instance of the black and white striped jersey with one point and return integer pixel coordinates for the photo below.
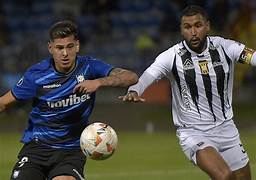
(201, 83)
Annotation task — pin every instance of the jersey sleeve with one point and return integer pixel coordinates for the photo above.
(162, 65)
(99, 68)
(25, 88)
(233, 48)
(253, 59)
(239, 52)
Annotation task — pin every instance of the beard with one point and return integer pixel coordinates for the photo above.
(196, 44)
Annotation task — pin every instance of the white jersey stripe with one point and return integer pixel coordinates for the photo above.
(201, 98)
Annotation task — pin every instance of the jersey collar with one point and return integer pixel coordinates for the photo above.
(60, 73)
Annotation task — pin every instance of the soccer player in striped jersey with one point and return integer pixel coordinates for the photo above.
(201, 69)
(62, 88)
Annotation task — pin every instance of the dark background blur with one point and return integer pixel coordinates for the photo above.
(125, 33)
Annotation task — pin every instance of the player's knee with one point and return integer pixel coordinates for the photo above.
(225, 174)
(64, 178)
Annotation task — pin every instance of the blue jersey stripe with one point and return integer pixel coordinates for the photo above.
(45, 77)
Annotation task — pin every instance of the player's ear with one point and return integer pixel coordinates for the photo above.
(208, 26)
(50, 47)
(77, 46)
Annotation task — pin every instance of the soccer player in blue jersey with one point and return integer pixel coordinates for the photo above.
(201, 70)
(62, 88)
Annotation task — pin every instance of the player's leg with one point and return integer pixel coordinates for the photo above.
(238, 160)
(26, 167)
(233, 152)
(64, 178)
(69, 166)
(243, 174)
(211, 162)
(203, 152)
(30, 172)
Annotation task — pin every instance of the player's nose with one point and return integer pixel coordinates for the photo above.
(64, 52)
(193, 31)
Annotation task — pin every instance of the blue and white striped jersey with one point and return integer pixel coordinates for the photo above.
(58, 115)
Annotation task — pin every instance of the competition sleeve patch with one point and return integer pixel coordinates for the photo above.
(246, 56)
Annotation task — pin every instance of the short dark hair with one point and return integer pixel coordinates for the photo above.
(192, 10)
(63, 29)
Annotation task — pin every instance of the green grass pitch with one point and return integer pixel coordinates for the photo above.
(139, 156)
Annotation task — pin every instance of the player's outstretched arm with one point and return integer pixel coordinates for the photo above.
(117, 77)
(135, 91)
(253, 58)
(6, 100)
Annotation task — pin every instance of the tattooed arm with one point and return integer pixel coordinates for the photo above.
(6, 100)
(117, 77)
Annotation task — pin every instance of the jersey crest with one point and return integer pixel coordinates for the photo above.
(80, 78)
(203, 67)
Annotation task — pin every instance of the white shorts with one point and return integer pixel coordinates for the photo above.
(224, 138)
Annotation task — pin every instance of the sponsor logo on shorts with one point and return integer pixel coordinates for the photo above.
(15, 174)
(242, 148)
(200, 144)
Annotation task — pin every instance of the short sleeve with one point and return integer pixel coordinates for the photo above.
(99, 68)
(233, 48)
(25, 88)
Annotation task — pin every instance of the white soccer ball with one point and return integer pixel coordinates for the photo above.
(98, 141)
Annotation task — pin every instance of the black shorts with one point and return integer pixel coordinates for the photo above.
(41, 162)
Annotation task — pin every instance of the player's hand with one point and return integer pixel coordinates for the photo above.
(132, 96)
(87, 86)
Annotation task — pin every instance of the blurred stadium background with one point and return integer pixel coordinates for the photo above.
(128, 34)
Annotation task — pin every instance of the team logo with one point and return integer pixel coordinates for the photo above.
(188, 64)
(200, 144)
(19, 83)
(242, 148)
(182, 51)
(80, 78)
(204, 67)
(15, 174)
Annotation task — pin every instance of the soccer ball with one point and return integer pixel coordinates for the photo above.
(98, 141)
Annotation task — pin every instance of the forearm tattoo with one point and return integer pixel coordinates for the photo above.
(118, 77)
